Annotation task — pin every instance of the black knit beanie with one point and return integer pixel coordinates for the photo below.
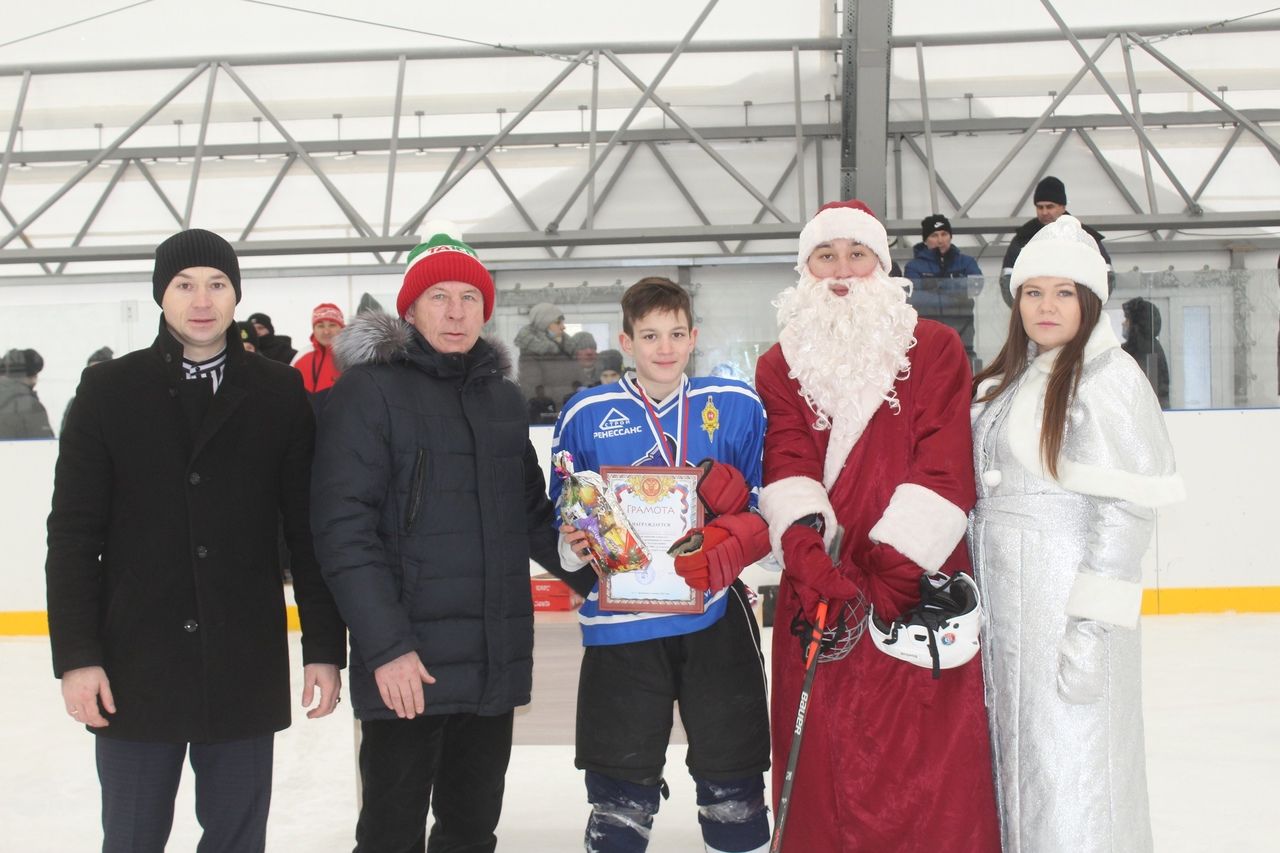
(194, 248)
(1051, 189)
(934, 222)
(263, 320)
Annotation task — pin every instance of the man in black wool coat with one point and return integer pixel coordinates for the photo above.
(166, 610)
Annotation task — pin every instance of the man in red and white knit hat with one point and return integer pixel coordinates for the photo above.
(868, 433)
(317, 367)
(428, 503)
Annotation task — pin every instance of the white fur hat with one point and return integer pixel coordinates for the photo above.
(851, 220)
(1062, 249)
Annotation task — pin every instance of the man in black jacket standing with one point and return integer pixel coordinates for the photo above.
(166, 613)
(275, 347)
(428, 501)
(1051, 202)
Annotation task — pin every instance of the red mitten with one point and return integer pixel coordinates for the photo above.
(727, 546)
(722, 488)
(806, 562)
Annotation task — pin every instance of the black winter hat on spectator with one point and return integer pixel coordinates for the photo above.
(193, 248)
(22, 362)
(934, 222)
(100, 355)
(263, 320)
(1051, 189)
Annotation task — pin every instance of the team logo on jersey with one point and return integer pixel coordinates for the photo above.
(614, 425)
(710, 419)
(614, 420)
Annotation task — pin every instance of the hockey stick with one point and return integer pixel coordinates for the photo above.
(789, 778)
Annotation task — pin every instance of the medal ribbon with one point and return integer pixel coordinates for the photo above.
(662, 434)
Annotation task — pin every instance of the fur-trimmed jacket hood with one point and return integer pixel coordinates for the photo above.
(379, 338)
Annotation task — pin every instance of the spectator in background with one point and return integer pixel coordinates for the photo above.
(97, 357)
(608, 367)
(369, 304)
(574, 389)
(275, 347)
(317, 367)
(22, 415)
(934, 297)
(248, 336)
(544, 333)
(583, 347)
(1141, 340)
(1051, 202)
(545, 356)
(935, 256)
(542, 409)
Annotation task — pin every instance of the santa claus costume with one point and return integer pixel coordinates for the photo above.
(869, 432)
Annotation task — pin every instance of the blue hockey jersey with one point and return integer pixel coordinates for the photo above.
(611, 425)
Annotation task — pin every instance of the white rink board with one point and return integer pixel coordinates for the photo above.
(1220, 537)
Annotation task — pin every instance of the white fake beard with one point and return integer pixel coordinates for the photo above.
(839, 348)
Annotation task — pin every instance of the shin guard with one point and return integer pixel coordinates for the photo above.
(733, 815)
(621, 814)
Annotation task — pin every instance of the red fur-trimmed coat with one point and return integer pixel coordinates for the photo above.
(892, 759)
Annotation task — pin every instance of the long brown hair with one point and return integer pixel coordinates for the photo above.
(1064, 378)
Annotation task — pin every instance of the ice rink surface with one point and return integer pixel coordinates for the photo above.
(1213, 742)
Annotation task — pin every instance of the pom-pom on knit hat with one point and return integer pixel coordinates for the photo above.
(851, 220)
(1062, 249)
(444, 257)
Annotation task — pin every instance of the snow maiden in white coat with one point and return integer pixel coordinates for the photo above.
(1071, 457)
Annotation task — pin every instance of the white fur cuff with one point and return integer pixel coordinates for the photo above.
(924, 526)
(790, 499)
(1103, 599)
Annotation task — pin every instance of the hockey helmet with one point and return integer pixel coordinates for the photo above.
(941, 632)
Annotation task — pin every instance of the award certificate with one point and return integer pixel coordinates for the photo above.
(661, 505)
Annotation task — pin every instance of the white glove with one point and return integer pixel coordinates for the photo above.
(1082, 662)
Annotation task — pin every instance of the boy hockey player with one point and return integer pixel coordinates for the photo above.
(636, 665)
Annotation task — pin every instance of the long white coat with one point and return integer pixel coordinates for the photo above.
(1058, 563)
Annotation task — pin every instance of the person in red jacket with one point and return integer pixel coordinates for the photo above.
(868, 433)
(317, 367)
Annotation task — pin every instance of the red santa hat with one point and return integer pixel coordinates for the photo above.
(851, 220)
